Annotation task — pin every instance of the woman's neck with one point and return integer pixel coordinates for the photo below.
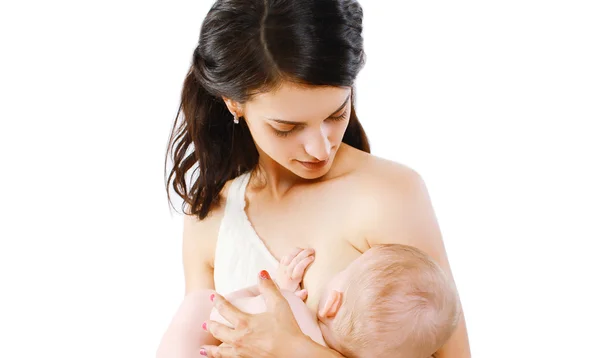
(270, 176)
(278, 181)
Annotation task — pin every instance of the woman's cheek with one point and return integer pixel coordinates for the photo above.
(338, 133)
(275, 147)
(265, 139)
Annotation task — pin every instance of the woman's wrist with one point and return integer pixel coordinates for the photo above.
(306, 347)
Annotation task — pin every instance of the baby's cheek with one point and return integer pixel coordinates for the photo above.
(215, 316)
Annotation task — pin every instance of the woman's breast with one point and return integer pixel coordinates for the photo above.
(327, 220)
(331, 256)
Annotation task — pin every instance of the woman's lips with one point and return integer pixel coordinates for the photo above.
(314, 165)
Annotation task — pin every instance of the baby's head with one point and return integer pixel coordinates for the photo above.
(393, 301)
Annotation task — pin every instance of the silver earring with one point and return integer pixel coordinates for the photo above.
(236, 119)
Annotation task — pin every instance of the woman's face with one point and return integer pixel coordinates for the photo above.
(300, 128)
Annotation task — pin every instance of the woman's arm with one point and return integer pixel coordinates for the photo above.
(403, 214)
(274, 333)
(185, 335)
(198, 246)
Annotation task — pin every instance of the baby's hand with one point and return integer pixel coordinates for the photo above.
(291, 270)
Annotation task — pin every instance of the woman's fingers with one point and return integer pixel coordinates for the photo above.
(228, 311)
(269, 290)
(222, 351)
(268, 334)
(221, 331)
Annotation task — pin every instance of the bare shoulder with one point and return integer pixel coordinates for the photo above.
(210, 223)
(376, 176)
(391, 195)
(199, 244)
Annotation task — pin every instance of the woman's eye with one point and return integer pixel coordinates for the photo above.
(284, 133)
(340, 117)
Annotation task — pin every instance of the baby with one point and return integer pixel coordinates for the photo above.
(393, 301)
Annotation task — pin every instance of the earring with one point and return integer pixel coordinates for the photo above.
(236, 119)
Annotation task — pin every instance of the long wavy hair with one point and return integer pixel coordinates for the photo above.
(248, 47)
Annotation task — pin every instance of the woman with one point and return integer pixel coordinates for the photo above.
(278, 159)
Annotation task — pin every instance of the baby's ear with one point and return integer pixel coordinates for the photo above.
(332, 305)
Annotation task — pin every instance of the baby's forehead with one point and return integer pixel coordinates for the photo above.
(372, 259)
(381, 255)
(378, 259)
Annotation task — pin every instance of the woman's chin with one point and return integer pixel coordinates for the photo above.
(310, 173)
(313, 170)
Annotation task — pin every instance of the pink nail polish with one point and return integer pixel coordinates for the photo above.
(203, 352)
(212, 297)
(204, 326)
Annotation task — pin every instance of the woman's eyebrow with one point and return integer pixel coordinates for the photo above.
(297, 123)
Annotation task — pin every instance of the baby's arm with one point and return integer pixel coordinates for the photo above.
(255, 305)
(290, 273)
(288, 277)
(247, 292)
(187, 336)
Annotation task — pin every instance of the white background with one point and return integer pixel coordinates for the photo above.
(496, 104)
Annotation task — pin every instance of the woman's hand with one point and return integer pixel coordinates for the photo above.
(274, 333)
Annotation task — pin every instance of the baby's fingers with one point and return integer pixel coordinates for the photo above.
(300, 268)
(302, 294)
(301, 256)
(287, 259)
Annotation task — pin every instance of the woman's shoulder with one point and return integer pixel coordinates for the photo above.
(374, 174)
(377, 193)
(392, 204)
(374, 185)
(208, 228)
(199, 243)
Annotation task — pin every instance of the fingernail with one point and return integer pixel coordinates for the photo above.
(203, 352)
(204, 326)
(212, 297)
(264, 275)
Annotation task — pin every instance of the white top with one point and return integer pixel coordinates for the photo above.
(240, 254)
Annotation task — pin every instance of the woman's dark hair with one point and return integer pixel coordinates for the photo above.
(248, 47)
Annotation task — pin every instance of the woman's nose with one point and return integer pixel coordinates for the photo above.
(318, 146)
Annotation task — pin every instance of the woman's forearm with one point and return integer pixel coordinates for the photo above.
(327, 353)
(185, 335)
(309, 348)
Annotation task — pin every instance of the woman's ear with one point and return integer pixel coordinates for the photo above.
(332, 305)
(233, 106)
